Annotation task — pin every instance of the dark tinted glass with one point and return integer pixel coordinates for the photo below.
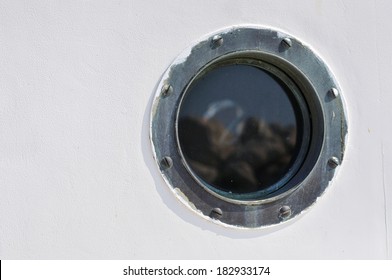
(239, 128)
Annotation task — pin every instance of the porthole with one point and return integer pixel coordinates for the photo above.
(248, 127)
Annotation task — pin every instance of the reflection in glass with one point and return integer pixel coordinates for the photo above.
(238, 127)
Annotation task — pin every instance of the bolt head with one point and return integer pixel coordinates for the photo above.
(287, 42)
(216, 213)
(333, 162)
(284, 212)
(166, 163)
(216, 41)
(166, 90)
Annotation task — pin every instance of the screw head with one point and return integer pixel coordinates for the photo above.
(216, 41)
(166, 163)
(216, 213)
(284, 212)
(166, 90)
(333, 162)
(287, 42)
(334, 92)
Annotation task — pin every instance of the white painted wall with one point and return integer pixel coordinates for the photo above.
(77, 179)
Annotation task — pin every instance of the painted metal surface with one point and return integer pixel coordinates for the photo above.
(77, 177)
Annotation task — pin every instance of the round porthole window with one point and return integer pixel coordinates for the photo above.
(248, 127)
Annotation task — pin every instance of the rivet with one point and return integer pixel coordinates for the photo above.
(167, 89)
(217, 41)
(166, 162)
(216, 213)
(333, 162)
(287, 42)
(284, 212)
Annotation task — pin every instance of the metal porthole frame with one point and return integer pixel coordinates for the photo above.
(327, 133)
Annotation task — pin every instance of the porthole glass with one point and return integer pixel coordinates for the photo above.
(248, 127)
(241, 129)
